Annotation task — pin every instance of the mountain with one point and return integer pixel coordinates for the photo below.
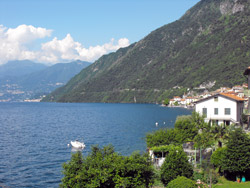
(37, 83)
(50, 77)
(19, 68)
(208, 44)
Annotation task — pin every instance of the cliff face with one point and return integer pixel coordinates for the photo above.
(210, 42)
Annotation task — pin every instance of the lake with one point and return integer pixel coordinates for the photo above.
(34, 136)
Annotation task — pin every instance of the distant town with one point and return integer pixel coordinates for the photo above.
(188, 100)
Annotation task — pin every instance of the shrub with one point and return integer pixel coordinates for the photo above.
(217, 157)
(182, 182)
(175, 164)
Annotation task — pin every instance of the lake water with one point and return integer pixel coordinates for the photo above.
(34, 136)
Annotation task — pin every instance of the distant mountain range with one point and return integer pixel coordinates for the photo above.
(211, 42)
(22, 80)
(20, 68)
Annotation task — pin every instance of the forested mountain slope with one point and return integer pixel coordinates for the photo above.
(209, 43)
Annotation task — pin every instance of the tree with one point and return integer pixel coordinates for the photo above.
(166, 102)
(162, 137)
(217, 157)
(105, 168)
(175, 164)
(186, 128)
(237, 154)
(220, 132)
(204, 139)
(182, 182)
(199, 122)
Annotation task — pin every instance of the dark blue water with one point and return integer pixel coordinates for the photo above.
(34, 136)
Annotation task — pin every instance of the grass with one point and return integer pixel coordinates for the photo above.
(223, 183)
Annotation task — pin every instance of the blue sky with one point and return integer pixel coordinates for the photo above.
(83, 24)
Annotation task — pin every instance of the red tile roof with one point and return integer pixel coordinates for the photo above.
(232, 96)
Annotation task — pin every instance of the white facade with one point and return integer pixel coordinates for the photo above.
(221, 109)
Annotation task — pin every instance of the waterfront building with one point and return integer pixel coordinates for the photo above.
(222, 108)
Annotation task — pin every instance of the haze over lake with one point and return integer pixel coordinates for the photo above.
(34, 136)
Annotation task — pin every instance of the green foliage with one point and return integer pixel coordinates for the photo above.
(176, 103)
(199, 122)
(175, 164)
(182, 182)
(237, 155)
(186, 128)
(204, 139)
(217, 157)
(72, 170)
(103, 167)
(162, 137)
(219, 132)
(244, 118)
(166, 102)
(166, 148)
(210, 175)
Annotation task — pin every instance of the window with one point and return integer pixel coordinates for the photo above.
(216, 111)
(204, 112)
(215, 99)
(227, 111)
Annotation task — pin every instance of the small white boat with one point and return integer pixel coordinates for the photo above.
(77, 144)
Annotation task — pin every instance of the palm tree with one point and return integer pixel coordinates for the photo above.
(220, 132)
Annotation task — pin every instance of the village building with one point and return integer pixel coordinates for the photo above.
(171, 102)
(237, 89)
(183, 102)
(224, 89)
(222, 108)
(177, 98)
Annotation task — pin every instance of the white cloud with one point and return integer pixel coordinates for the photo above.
(68, 49)
(26, 33)
(14, 42)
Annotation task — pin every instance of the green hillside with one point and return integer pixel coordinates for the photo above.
(209, 43)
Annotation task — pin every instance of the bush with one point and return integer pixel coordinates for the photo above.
(182, 182)
(217, 157)
(175, 164)
(198, 175)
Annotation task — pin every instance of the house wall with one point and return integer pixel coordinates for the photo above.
(221, 104)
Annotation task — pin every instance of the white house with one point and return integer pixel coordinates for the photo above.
(171, 102)
(221, 108)
(177, 98)
(183, 102)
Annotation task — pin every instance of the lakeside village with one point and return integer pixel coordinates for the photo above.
(189, 100)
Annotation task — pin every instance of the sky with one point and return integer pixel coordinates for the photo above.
(55, 31)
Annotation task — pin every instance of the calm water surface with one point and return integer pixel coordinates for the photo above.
(34, 136)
